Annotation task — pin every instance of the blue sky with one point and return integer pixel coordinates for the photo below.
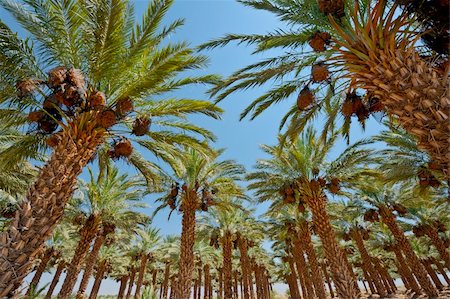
(210, 19)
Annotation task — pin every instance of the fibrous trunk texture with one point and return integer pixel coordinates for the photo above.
(440, 246)
(87, 234)
(143, 265)
(227, 264)
(293, 287)
(90, 263)
(59, 270)
(43, 207)
(432, 274)
(305, 236)
(327, 278)
(418, 269)
(165, 283)
(440, 269)
(48, 253)
(342, 277)
(302, 267)
(131, 283)
(187, 244)
(207, 286)
(123, 286)
(98, 279)
(243, 248)
(404, 268)
(367, 261)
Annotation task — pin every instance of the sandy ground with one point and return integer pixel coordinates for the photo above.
(443, 294)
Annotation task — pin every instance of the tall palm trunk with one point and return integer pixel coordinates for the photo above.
(327, 278)
(369, 278)
(59, 270)
(302, 266)
(227, 265)
(293, 287)
(432, 233)
(131, 283)
(235, 285)
(154, 276)
(144, 260)
(123, 286)
(404, 268)
(342, 277)
(87, 234)
(98, 279)
(403, 243)
(48, 253)
(243, 248)
(165, 283)
(90, 263)
(200, 274)
(207, 286)
(440, 269)
(367, 261)
(43, 207)
(187, 244)
(381, 275)
(173, 288)
(220, 291)
(317, 278)
(432, 274)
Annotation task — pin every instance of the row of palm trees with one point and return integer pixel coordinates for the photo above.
(92, 84)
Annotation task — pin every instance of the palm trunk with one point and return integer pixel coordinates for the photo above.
(123, 286)
(200, 274)
(165, 283)
(227, 265)
(433, 275)
(293, 287)
(403, 243)
(207, 286)
(440, 246)
(43, 207)
(440, 269)
(235, 285)
(327, 278)
(369, 278)
(220, 291)
(131, 283)
(51, 288)
(154, 275)
(297, 274)
(144, 260)
(173, 288)
(302, 267)
(367, 261)
(89, 267)
(187, 244)
(402, 276)
(293, 276)
(342, 277)
(98, 280)
(406, 270)
(40, 269)
(87, 234)
(243, 248)
(381, 276)
(317, 278)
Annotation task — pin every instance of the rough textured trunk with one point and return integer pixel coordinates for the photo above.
(227, 247)
(293, 287)
(89, 267)
(207, 286)
(432, 274)
(165, 282)
(51, 288)
(410, 88)
(402, 275)
(187, 244)
(403, 243)
(368, 278)
(43, 207)
(154, 276)
(342, 277)
(404, 268)
(293, 275)
(173, 288)
(98, 279)
(123, 286)
(367, 261)
(317, 278)
(440, 246)
(243, 248)
(131, 283)
(302, 267)
(200, 274)
(381, 276)
(235, 285)
(327, 278)
(220, 290)
(48, 253)
(87, 234)
(440, 269)
(144, 260)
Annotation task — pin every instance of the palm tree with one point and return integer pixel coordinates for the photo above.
(108, 67)
(148, 241)
(299, 174)
(387, 200)
(106, 203)
(205, 181)
(344, 50)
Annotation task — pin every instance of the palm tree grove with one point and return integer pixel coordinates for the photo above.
(233, 149)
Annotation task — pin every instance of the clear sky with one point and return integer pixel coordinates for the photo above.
(205, 20)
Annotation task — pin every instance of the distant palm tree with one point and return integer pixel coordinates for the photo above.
(106, 203)
(299, 174)
(109, 75)
(205, 181)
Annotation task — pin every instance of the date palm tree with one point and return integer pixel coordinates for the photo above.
(356, 49)
(108, 74)
(205, 181)
(300, 174)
